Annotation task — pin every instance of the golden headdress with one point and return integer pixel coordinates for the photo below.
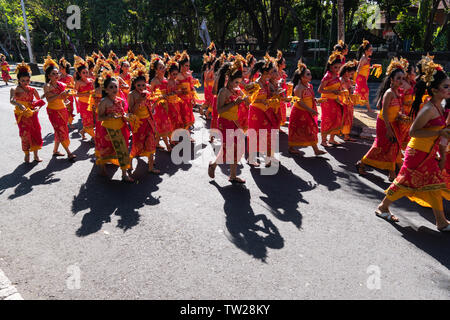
(425, 59)
(139, 70)
(341, 43)
(23, 68)
(365, 43)
(222, 58)
(141, 59)
(241, 59)
(235, 67)
(177, 55)
(2, 55)
(268, 60)
(112, 55)
(212, 46)
(101, 55)
(63, 63)
(301, 66)
(335, 55)
(107, 73)
(130, 56)
(230, 57)
(184, 55)
(153, 61)
(397, 64)
(49, 62)
(94, 56)
(351, 64)
(91, 59)
(248, 57)
(78, 62)
(279, 55)
(429, 69)
(99, 64)
(171, 62)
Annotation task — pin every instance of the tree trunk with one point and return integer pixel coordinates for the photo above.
(427, 45)
(341, 22)
(301, 35)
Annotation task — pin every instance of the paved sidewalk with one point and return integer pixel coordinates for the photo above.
(7, 290)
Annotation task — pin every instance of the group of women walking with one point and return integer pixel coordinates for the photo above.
(247, 100)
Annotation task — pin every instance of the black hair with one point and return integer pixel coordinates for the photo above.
(65, 67)
(385, 85)
(78, 74)
(105, 85)
(223, 72)
(347, 68)
(362, 48)
(340, 48)
(153, 67)
(411, 66)
(91, 65)
(260, 66)
(121, 66)
(133, 83)
(23, 74)
(422, 88)
(298, 76)
(182, 62)
(208, 50)
(47, 73)
(172, 68)
(280, 61)
(333, 63)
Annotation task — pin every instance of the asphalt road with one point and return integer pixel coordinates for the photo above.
(308, 232)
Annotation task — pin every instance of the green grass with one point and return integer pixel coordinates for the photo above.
(38, 78)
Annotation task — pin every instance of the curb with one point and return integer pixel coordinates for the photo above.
(7, 290)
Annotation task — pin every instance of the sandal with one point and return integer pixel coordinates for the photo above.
(71, 156)
(445, 229)
(334, 143)
(58, 154)
(387, 216)
(127, 179)
(237, 180)
(320, 152)
(360, 168)
(295, 152)
(211, 170)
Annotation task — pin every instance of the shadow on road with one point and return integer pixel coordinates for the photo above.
(104, 197)
(283, 193)
(17, 177)
(250, 232)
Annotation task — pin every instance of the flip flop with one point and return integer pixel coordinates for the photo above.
(58, 154)
(387, 216)
(446, 229)
(237, 180)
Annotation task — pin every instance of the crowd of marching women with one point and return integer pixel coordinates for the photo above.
(134, 101)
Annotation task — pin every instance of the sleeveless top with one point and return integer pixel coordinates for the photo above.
(425, 144)
(117, 107)
(232, 113)
(307, 98)
(263, 94)
(86, 88)
(331, 84)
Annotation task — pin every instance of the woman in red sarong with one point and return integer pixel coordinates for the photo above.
(385, 151)
(233, 139)
(158, 89)
(56, 94)
(281, 77)
(5, 68)
(124, 82)
(303, 128)
(332, 116)
(408, 94)
(142, 124)
(208, 82)
(186, 86)
(362, 74)
(214, 114)
(67, 79)
(421, 177)
(26, 112)
(172, 97)
(84, 86)
(261, 116)
(346, 97)
(113, 135)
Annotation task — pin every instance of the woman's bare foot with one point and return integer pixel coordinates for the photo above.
(392, 176)
(27, 158)
(360, 167)
(236, 180)
(292, 150)
(37, 159)
(319, 152)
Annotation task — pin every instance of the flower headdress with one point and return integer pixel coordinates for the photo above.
(91, 59)
(112, 55)
(365, 43)
(397, 64)
(177, 56)
(241, 59)
(341, 43)
(249, 57)
(212, 46)
(140, 58)
(100, 63)
(49, 62)
(155, 58)
(139, 70)
(170, 63)
(2, 55)
(222, 58)
(335, 55)
(101, 55)
(268, 60)
(425, 59)
(130, 56)
(429, 69)
(63, 63)
(79, 62)
(300, 66)
(279, 55)
(106, 74)
(184, 55)
(231, 57)
(23, 68)
(235, 67)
